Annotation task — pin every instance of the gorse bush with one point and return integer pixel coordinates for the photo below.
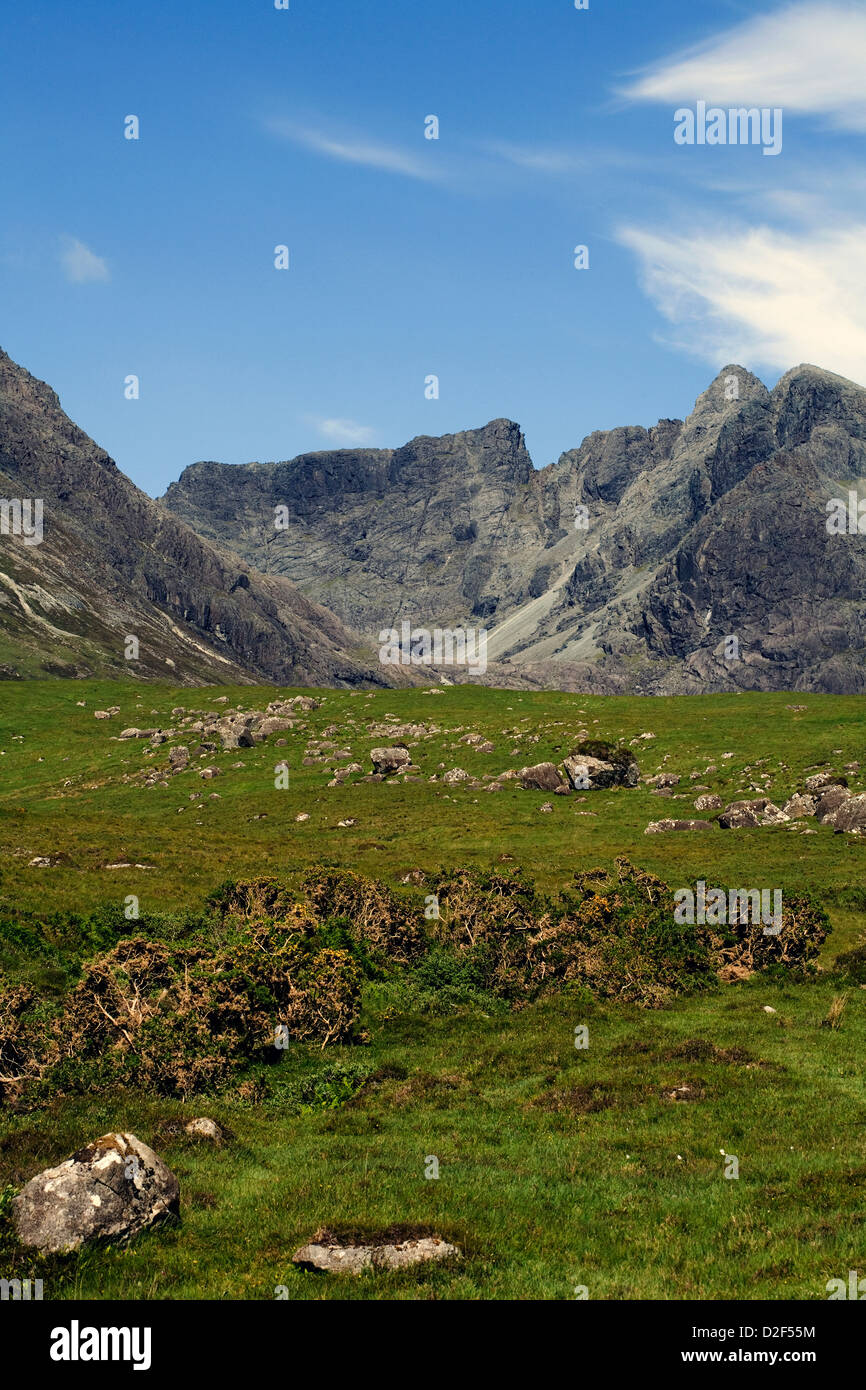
(191, 1011)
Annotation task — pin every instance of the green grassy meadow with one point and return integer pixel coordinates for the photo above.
(558, 1167)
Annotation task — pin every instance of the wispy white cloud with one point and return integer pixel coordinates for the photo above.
(758, 295)
(359, 150)
(807, 57)
(81, 266)
(541, 159)
(343, 431)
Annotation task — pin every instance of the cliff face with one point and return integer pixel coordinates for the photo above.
(113, 564)
(625, 566)
(691, 556)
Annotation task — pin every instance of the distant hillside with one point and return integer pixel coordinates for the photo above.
(113, 564)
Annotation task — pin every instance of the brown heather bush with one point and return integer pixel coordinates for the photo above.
(181, 1020)
(739, 950)
(391, 926)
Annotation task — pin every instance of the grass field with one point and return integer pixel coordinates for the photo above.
(558, 1167)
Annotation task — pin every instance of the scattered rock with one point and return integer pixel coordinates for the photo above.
(799, 805)
(851, 816)
(821, 779)
(830, 803)
(760, 811)
(333, 1258)
(543, 777)
(658, 827)
(205, 1128)
(388, 760)
(111, 1189)
(711, 802)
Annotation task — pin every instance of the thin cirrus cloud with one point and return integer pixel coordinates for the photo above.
(757, 294)
(80, 265)
(807, 57)
(339, 431)
(358, 150)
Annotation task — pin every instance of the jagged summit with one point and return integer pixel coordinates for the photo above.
(625, 566)
(597, 570)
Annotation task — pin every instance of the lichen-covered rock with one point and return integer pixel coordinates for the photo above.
(759, 811)
(660, 827)
(664, 779)
(851, 816)
(799, 805)
(587, 774)
(109, 1190)
(830, 803)
(204, 1128)
(709, 802)
(354, 1259)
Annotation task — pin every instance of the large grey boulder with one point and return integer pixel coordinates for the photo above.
(109, 1190)
(830, 803)
(851, 816)
(799, 805)
(389, 760)
(543, 777)
(759, 811)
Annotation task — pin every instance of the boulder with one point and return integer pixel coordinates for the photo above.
(388, 760)
(658, 827)
(819, 780)
(759, 811)
(710, 802)
(273, 725)
(589, 770)
(455, 776)
(830, 803)
(204, 1128)
(542, 777)
(665, 779)
(587, 774)
(851, 816)
(332, 1258)
(109, 1190)
(799, 805)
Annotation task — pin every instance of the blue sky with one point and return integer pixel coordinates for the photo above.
(409, 256)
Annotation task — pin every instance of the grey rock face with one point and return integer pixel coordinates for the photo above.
(799, 805)
(113, 561)
(696, 532)
(111, 1189)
